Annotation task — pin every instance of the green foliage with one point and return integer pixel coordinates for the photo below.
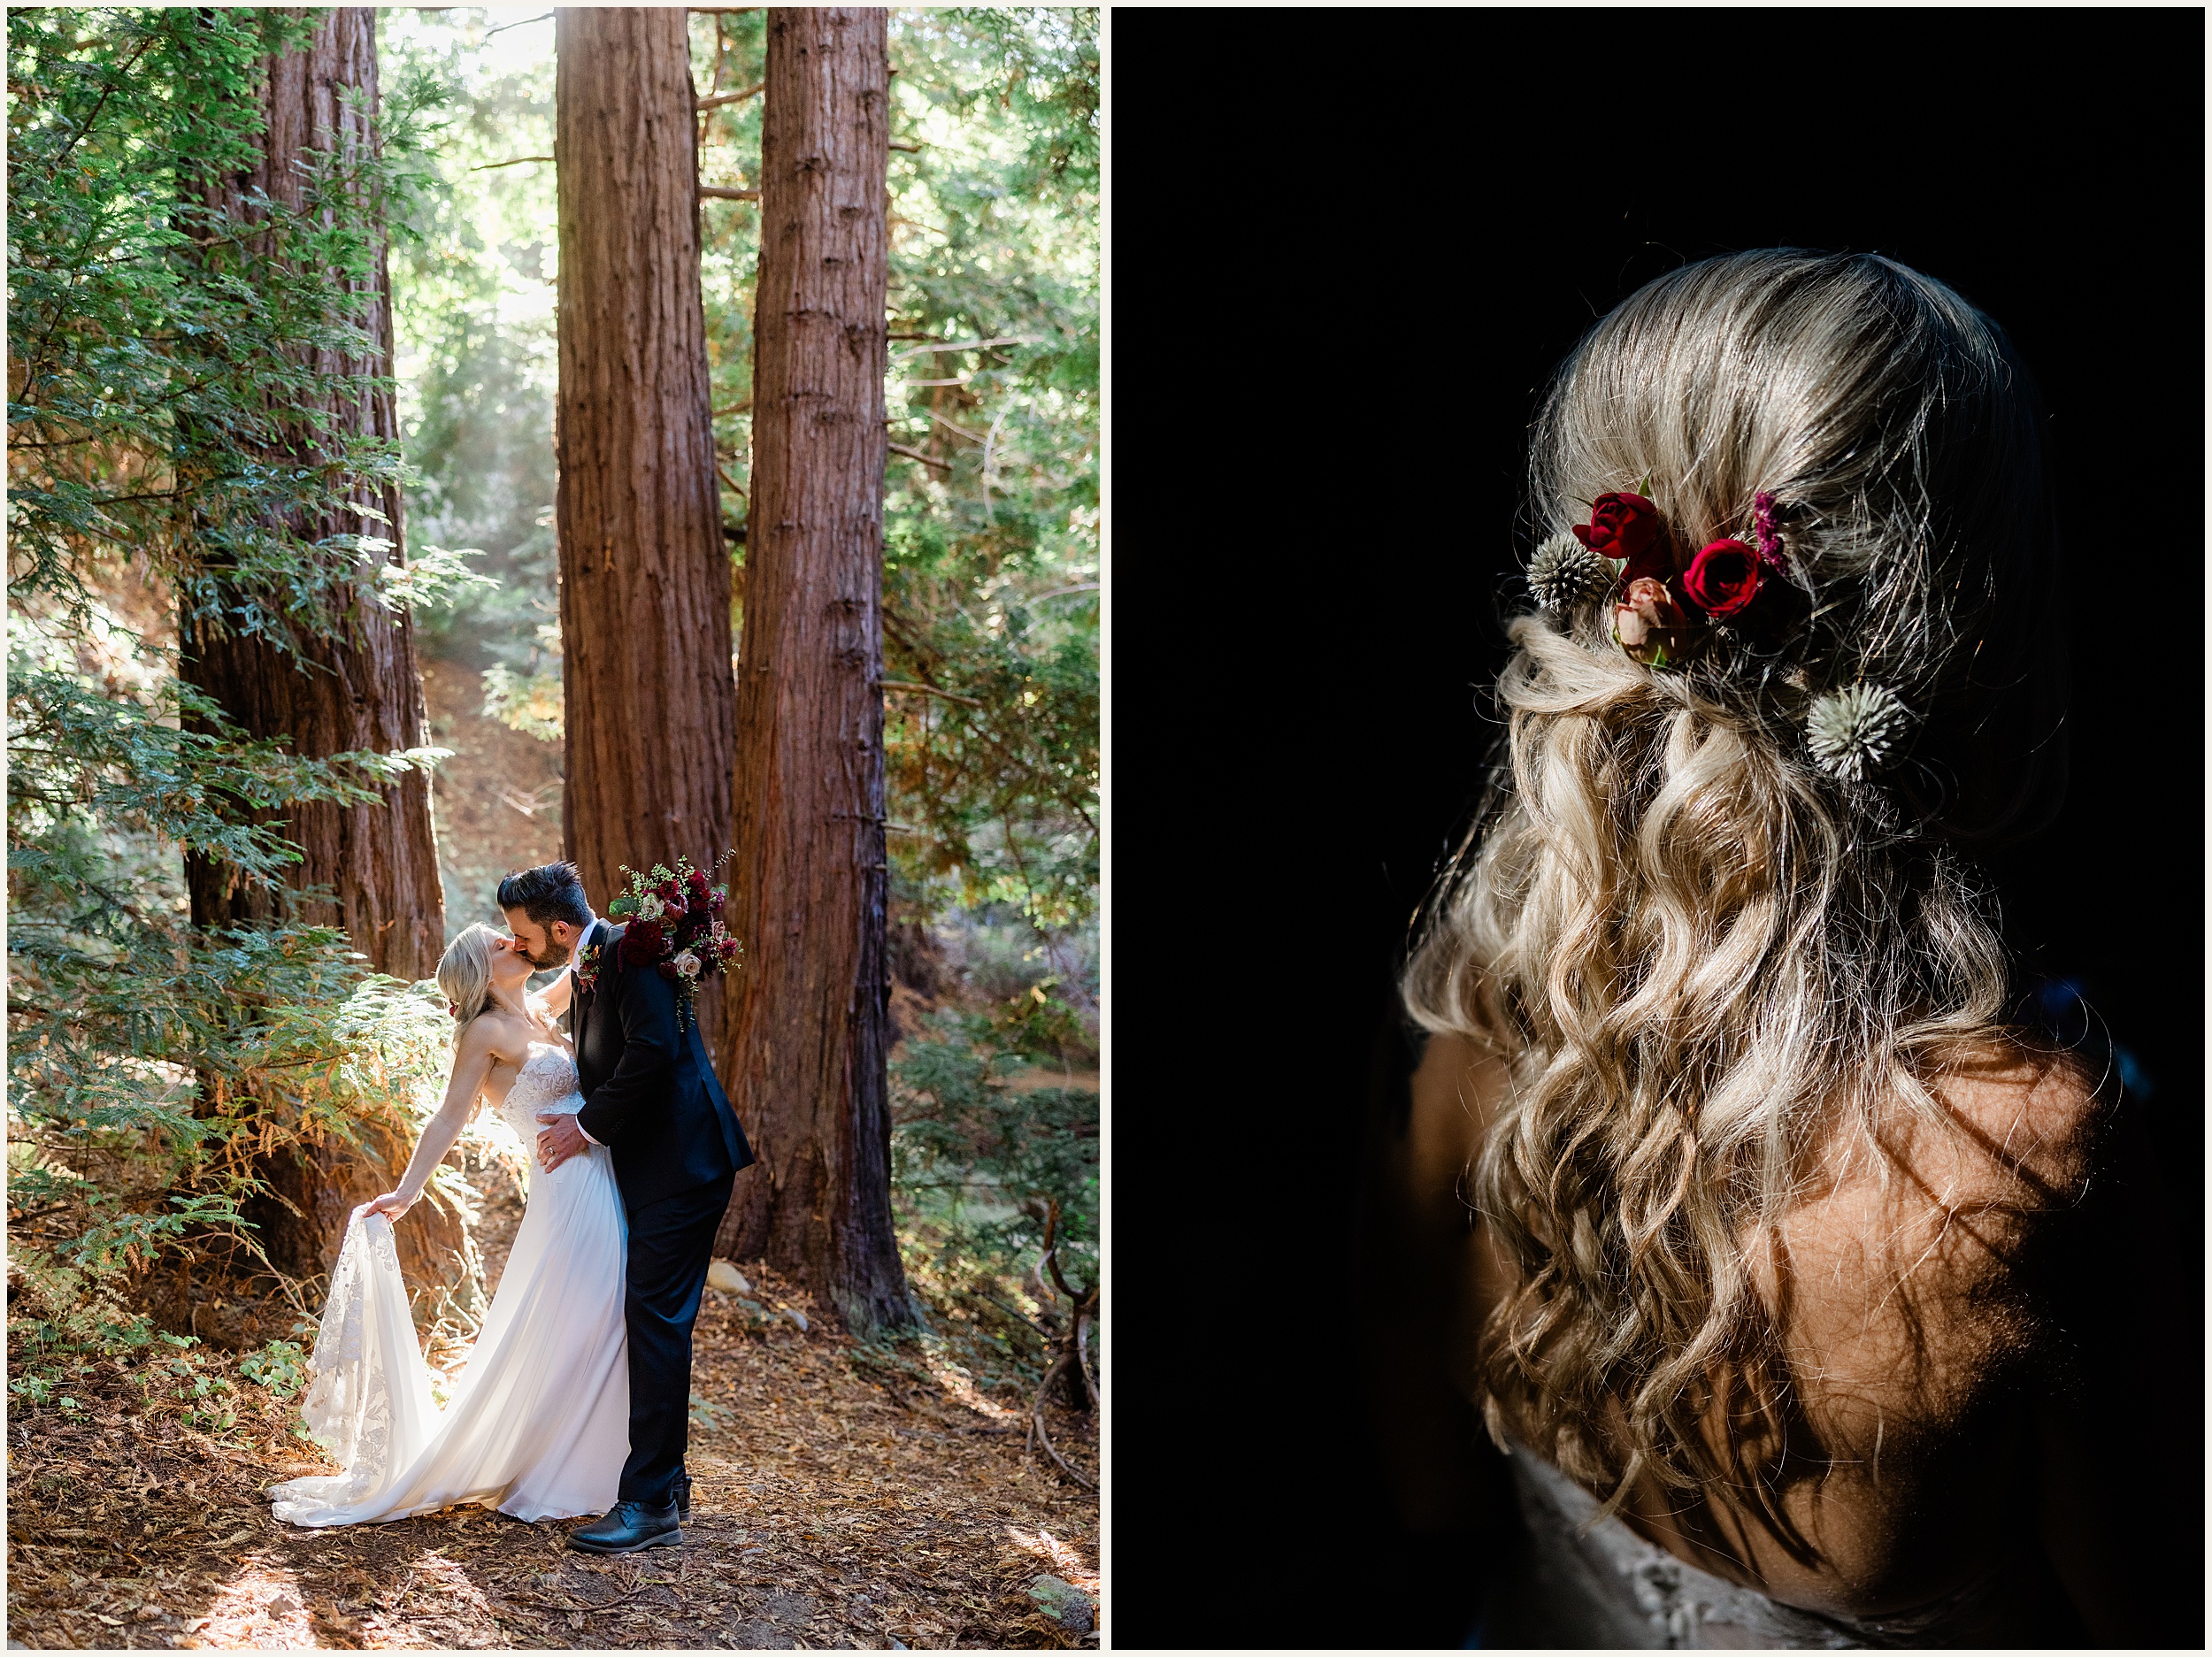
(529, 699)
(172, 354)
(991, 516)
(957, 1126)
(975, 1166)
(170, 392)
(473, 303)
(280, 1366)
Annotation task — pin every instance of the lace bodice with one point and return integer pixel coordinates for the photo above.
(547, 1081)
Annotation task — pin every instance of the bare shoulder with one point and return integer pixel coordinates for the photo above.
(1913, 1278)
(500, 1035)
(2017, 1126)
(1456, 1091)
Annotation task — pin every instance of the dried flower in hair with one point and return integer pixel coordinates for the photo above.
(1852, 733)
(1769, 538)
(1563, 572)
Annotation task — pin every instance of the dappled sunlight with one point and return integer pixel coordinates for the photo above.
(261, 1605)
(960, 1387)
(1057, 1557)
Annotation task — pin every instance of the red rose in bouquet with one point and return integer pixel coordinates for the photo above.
(675, 927)
(641, 943)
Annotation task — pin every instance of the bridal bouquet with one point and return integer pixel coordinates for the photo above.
(675, 924)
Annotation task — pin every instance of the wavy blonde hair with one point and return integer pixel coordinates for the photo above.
(464, 975)
(1701, 957)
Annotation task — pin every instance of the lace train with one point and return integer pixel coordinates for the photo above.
(539, 1423)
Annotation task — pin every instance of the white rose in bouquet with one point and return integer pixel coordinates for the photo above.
(687, 964)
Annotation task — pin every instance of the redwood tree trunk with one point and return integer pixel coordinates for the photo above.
(809, 1032)
(361, 691)
(364, 690)
(645, 577)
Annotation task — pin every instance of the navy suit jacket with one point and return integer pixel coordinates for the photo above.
(650, 1092)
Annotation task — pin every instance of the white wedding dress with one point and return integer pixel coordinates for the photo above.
(539, 1424)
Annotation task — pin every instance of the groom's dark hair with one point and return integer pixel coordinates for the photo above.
(552, 891)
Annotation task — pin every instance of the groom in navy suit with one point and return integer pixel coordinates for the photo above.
(650, 1096)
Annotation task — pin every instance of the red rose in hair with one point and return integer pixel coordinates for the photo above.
(1722, 578)
(641, 943)
(1626, 528)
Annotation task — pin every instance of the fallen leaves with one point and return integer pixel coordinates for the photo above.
(829, 1510)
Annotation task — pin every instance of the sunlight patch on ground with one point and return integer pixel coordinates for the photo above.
(1061, 1560)
(262, 1607)
(959, 1385)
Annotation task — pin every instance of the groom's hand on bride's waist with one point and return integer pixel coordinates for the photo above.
(559, 1139)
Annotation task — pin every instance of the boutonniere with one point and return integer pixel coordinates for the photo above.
(587, 967)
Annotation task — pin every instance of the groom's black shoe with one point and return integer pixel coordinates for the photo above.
(683, 1498)
(628, 1526)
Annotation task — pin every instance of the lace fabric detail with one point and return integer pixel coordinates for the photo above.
(366, 1372)
(350, 1420)
(1613, 1588)
(547, 1081)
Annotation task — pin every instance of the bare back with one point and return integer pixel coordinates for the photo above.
(1905, 1289)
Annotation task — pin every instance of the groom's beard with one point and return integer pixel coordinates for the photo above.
(555, 956)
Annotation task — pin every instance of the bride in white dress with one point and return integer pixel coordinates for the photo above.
(538, 1425)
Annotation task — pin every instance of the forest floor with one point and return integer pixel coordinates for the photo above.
(845, 1497)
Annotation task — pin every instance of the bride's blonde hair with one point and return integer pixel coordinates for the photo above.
(464, 975)
(1701, 954)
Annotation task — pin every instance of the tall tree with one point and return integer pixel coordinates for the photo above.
(645, 576)
(351, 684)
(805, 1049)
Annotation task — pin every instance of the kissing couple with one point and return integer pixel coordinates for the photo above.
(576, 1399)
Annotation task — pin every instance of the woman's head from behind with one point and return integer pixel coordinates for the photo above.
(1704, 947)
(1895, 438)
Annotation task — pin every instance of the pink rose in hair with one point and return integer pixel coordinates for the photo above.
(1722, 578)
(1647, 620)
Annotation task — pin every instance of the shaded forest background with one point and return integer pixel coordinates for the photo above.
(167, 1078)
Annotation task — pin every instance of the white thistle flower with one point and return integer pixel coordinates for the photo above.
(1563, 572)
(1852, 732)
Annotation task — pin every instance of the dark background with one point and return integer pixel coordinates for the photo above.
(1347, 251)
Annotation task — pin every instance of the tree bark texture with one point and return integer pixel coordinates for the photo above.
(362, 689)
(645, 576)
(809, 1036)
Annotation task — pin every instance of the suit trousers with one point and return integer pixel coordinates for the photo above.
(672, 1244)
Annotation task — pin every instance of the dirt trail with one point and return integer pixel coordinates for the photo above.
(837, 1505)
